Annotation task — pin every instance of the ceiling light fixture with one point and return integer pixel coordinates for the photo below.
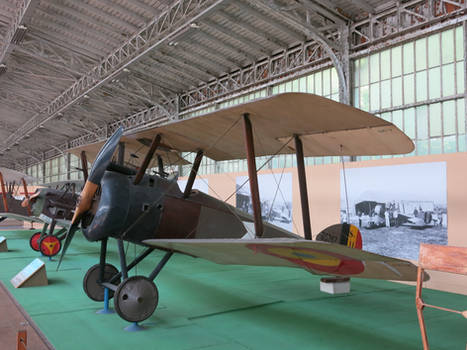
(19, 35)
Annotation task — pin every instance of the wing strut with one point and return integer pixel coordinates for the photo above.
(121, 154)
(193, 172)
(5, 202)
(84, 165)
(302, 186)
(26, 195)
(154, 144)
(252, 174)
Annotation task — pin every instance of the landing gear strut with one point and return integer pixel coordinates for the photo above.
(135, 298)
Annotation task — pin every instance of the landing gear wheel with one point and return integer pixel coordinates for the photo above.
(90, 285)
(50, 245)
(34, 241)
(136, 299)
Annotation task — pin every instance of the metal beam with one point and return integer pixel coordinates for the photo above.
(173, 22)
(23, 9)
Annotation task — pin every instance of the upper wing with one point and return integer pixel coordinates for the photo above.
(326, 128)
(320, 258)
(21, 217)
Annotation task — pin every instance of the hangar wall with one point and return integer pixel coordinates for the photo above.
(324, 190)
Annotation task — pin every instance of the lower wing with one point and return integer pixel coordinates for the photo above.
(20, 217)
(320, 258)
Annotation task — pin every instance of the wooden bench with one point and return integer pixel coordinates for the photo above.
(438, 258)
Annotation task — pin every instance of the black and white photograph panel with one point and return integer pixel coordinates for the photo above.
(396, 207)
(201, 185)
(275, 192)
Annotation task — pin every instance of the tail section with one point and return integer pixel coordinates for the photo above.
(345, 234)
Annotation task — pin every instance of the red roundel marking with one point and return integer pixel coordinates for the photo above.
(313, 259)
(34, 241)
(50, 245)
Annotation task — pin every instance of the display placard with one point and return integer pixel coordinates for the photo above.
(32, 275)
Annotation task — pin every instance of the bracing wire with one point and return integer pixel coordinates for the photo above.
(345, 189)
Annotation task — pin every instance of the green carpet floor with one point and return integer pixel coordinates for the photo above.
(207, 306)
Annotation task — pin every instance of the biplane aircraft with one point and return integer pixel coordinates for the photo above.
(150, 210)
(46, 206)
(10, 182)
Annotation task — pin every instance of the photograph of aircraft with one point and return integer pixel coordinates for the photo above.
(397, 207)
(127, 205)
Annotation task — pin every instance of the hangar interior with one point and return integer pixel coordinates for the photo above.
(73, 72)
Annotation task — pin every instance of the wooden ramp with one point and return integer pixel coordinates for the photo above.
(12, 319)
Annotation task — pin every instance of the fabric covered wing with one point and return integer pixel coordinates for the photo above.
(21, 217)
(317, 257)
(326, 127)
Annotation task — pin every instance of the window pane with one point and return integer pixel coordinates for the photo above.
(409, 122)
(356, 71)
(461, 116)
(385, 64)
(386, 116)
(449, 117)
(435, 146)
(364, 71)
(334, 81)
(421, 86)
(302, 85)
(408, 57)
(318, 87)
(397, 91)
(459, 43)
(449, 80)
(386, 94)
(310, 84)
(374, 68)
(374, 96)
(450, 143)
(422, 122)
(460, 77)
(422, 147)
(364, 98)
(462, 143)
(433, 51)
(397, 119)
(356, 98)
(435, 119)
(447, 43)
(396, 61)
(326, 82)
(434, 78)
(409, 93)
(295, 85)
(420, 54)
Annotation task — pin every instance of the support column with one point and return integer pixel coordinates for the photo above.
(302, 187)
(5, 202)
(252, 174)
(154, 144)
(193, 173)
